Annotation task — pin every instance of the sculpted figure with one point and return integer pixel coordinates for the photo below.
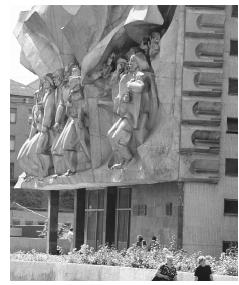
(154, 46)
(72, 142)
(61, 80)
(46, 134)
(34, 156)
(136, 105)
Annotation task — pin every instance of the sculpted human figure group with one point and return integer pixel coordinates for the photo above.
(59, 141)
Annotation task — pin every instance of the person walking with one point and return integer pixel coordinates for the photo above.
(167, 271)
(203, 272)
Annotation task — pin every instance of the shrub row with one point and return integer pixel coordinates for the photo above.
(136, 257)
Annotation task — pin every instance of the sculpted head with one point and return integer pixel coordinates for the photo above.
(154, 44)
(58, 76)
(48, 81)
(121, 64)
(138, 61)
(76, 71)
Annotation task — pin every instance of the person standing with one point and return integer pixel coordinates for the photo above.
(203, 272)
(70, 238)
(167, 271)
(139, 241)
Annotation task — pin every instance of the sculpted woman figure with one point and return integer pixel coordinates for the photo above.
(34, 156)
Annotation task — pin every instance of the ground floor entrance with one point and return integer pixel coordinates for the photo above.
(116, 215)
(107, 217)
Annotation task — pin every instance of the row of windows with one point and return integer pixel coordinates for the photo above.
(16, 222)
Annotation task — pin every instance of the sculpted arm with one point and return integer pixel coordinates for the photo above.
(136, 86)
(60, 110)
(33, 125)
(48, 113)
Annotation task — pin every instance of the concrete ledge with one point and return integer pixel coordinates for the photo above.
(42, 271)
(39, 244)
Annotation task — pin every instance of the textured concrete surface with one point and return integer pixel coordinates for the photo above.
(40, 271)
(39, 244)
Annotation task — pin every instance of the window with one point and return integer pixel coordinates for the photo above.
(15, 222)
(232, 125)
(204, 166)
(169, 209)
(201, 137)
(11, 170)
(95, 218)
(41, 223)
(233, 86)
(13, 115)
(123, 213)
(30, 116)
(140, 210)
(226, 245)
(231, 168)
(230, 207)
(207, 108)
(235, 11)
(28, 223)
(12, 143)
(234, 47)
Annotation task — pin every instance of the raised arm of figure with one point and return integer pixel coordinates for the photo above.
(48, 111)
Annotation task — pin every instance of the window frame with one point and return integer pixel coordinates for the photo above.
(232, 93)
(228, 241)
(228, 129)
(87, 210)
(13, 138)
(169, 206)
(227, 213)
(233, 13)
(232, 42)
(117, 210)
(12, 108)
(226, 171)
(12, 171)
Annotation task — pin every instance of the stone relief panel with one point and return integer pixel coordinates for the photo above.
(111, 119)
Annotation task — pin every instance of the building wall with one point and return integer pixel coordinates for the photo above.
(23, 216)
(21, 129)
(155, 222)
(205, 225)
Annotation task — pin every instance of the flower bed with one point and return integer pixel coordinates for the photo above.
(135, 257)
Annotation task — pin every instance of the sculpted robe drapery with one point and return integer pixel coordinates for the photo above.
(34, 156)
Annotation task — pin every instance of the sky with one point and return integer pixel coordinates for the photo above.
(18, 72)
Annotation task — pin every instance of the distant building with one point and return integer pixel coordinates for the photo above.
(21, 102)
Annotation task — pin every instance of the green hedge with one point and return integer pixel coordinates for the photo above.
(227, 264)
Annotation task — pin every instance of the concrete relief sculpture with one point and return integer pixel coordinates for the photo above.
(100, 103)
